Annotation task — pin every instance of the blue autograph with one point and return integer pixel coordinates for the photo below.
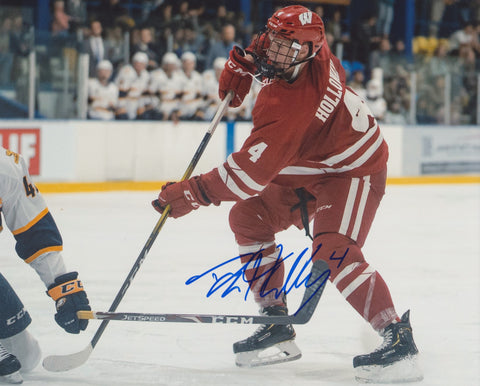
(229, 282)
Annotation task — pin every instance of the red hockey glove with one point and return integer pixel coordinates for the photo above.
(183, 197)
(236, 76)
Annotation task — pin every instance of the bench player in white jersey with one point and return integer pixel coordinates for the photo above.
(192, 98)
(210, 79)
(166, 88)
(39, 244)
(102, 93)
(132, 82)
(315, 153)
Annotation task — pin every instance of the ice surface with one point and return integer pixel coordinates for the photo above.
(424, 241)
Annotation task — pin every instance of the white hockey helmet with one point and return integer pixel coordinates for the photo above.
(170, 58)
(105, 65)
(140, 57)
(190, 56)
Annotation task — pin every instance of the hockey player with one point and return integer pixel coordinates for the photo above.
(102, 93)
(315, 153)
(132, 82)
(165, 88)
(191, 101)
(39, 244)
(210, 88)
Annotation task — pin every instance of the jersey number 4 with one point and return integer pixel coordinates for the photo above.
(30, 189)
(256, 151)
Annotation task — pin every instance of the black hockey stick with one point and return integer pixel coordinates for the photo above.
(314, 288)
(67, 362)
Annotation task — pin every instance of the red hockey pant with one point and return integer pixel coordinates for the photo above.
(342, 209)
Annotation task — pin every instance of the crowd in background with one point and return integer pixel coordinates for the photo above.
(162, 60)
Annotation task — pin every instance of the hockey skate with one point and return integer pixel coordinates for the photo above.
(395, 361)
(269, 344)
(9, 367)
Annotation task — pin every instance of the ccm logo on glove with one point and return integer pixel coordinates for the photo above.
(183, 197)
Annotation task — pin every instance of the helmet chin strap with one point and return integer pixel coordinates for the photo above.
(296, 70)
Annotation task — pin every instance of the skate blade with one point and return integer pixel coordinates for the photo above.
(403, 371)
(281, 352)
(13, 378)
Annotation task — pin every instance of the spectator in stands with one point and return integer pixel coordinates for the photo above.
(395, 114)
(440, 62)
(95, 47)
(357, 83)
(188, 39)
(77, 10)
(6, 56)
(192, 99)
(223, 46)
(147, 45)
(464, 36)
(115, 43)
(381, 57)
(102, 93)
(112, 13)
(399, 56)
(132, 82)
(165, 89)
(385, 17)
(364, 39)
(60, 20)
(222, 17)
(20, 48)
(375, 100)
(437, 8)
(333, 26)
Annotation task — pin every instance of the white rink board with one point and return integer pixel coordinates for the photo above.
(94, 151)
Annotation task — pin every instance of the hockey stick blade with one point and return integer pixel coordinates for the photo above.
(313, 291)
(58, 363)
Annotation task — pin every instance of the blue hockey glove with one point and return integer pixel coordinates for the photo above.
(69, 297)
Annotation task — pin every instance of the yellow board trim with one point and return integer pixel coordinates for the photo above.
(79, 187)
(31, 223)
(425, 180)
(56, 248)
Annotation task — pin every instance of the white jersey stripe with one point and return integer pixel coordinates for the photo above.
(352, 149)
(228, 181)
(361, 207)
(368, 300)
(246, 179)
(365, 275)
(347, 213)
(306, 170)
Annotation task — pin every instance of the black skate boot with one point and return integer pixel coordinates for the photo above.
(279, 338)
(9, 367)
(395, 360)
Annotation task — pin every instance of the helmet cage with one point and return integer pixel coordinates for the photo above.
(272, 60)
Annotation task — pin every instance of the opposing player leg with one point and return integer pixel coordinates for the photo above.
(255, 222)
(20, 348)
(345, 211)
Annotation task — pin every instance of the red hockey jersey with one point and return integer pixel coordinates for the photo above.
(312, 127)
